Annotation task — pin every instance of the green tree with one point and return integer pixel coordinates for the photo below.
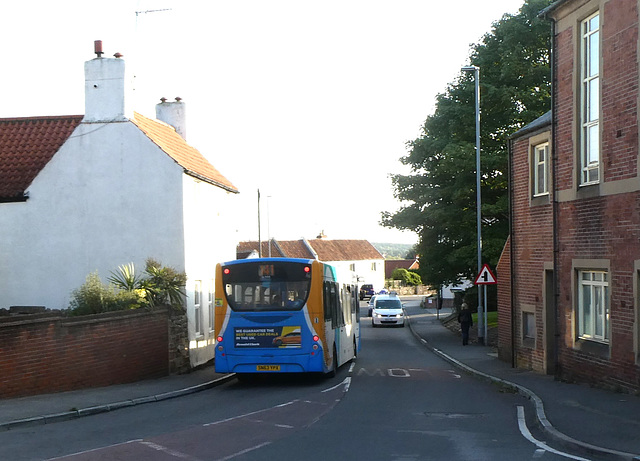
(440, 191)
(409, 278)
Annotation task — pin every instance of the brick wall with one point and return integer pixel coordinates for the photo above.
(620, 89)
(565, 107)
(50, 353)
(600, 224)
(531, 250)
(503, 274)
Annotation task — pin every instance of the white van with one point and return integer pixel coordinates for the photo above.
(387, 310)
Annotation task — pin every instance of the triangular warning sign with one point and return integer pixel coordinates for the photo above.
(485, 277)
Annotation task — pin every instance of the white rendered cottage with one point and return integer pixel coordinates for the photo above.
(93, 192)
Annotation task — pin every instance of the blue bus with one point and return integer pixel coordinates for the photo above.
(284, 315)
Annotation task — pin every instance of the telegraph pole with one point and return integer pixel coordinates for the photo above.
(259, 238)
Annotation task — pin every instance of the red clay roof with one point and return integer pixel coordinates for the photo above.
(26, 146)
(327, 250)
(344, 250)
(176, 147)
(296, 249)
(393, 264)
(244, 249)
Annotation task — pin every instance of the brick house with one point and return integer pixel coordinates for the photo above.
(91, 192)
(358, 256)
(574, 248)
(392, 264)
(531, 246)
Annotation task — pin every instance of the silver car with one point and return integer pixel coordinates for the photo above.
(370, 304)
(387, 310)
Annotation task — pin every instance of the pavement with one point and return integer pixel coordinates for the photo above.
(590, 421)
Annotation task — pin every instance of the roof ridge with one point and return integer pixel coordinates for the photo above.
(40, 118)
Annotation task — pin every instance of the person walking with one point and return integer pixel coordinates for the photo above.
(466, 322)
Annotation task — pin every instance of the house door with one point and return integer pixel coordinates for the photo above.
(549, 324)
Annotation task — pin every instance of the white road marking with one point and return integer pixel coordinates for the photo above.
(524, 430)
(242, 452)
(168, 451)
(248, 414)
(95, 449)
(398, 373)
(346, 383)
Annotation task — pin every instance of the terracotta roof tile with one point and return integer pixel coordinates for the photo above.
(26, 146)
(327, 250)
(296, 249)
(344, 250)
(244, 249)
(188, 157)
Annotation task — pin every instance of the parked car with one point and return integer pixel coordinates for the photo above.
(371, 301)
(387, 310)
(366, 291)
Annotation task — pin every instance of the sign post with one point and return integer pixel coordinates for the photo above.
(484, 278)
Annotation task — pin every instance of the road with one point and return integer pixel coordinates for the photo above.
(397, 401)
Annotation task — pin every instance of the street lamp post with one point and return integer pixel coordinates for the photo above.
(481, 319)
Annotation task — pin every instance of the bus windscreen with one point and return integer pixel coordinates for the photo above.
(267, 286)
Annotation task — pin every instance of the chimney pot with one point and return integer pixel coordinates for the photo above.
(97, 46)
(106, 89)
(173, 113)
(118, 55)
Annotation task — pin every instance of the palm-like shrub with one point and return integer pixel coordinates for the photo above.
(165, 285)
(127, 290)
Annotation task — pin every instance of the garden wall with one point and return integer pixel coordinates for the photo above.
(45, 353)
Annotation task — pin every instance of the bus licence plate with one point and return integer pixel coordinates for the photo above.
(268, 368)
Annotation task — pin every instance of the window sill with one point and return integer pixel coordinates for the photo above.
(588, 190)
(529, 343)
(539, 200)
(593, 347)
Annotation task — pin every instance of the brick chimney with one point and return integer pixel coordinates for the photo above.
(106, 89)
(174, 114)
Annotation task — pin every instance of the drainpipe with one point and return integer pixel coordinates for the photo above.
(514, 361)
(554, 161)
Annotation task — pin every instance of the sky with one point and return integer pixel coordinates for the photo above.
(310, 102)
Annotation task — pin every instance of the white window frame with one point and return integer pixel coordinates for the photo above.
(528, 325)
(197, 305)
(541, 169)
(593, 305)
(590, 101)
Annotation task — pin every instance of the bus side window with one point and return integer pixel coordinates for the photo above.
(334, 305)
(355, 303)
(346, 304)
(326, 301)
